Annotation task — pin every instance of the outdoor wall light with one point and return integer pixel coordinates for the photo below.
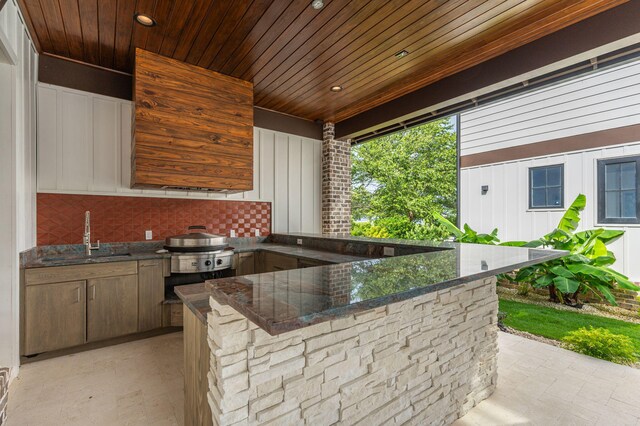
(145, 20)
(484, 189)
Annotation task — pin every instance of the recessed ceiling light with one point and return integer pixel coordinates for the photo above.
(401, 54)
(145, 20)
(336, 88)
(317, 4)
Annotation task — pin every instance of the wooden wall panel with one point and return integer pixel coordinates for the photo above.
(288, 185)
(193, 127)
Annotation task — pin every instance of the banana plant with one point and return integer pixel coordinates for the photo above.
(466, 234)
(586, 268)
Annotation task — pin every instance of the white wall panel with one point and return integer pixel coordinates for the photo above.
(84, 147)
(506, 205)
(600, 100)
(18, 74)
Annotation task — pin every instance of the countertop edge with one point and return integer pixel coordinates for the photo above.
(332, 313)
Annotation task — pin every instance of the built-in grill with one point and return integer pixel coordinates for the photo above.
(196, 257)
(198, 252)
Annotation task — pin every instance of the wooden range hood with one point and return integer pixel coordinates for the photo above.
(193, 127)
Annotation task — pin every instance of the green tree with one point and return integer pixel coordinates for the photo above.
(398, 181)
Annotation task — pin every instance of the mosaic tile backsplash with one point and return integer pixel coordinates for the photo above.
(119, 219)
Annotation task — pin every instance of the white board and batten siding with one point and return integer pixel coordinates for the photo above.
(601, 100)
(18, 76)
(84, 147)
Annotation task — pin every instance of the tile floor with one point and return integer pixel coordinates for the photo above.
(140, 383)
(135, 383)
(540, 384)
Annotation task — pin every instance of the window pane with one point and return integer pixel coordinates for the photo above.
(554, 176)
(538, 197)
(628, 175)
(554, 197)
(538, 178)
(612, 204)
(612, 176)
(629, 204)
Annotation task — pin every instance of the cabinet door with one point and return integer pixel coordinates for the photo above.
(112, 307)
(54, 317)
(150, 294)
(277, 262)
(246, 264)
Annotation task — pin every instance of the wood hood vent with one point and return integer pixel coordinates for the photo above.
(193, 127)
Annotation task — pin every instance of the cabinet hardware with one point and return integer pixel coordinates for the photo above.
(78, 295)
(93, 292)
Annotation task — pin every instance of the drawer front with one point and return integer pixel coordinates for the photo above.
(57, 274)
(277, 262)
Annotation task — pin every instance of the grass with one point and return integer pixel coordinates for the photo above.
(555, 324)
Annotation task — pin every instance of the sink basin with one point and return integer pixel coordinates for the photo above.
(93, 256)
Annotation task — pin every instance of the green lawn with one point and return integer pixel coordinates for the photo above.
(555, 324)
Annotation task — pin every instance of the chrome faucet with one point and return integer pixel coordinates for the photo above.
(86, 239)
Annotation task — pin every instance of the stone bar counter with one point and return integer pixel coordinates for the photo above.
(409, 339)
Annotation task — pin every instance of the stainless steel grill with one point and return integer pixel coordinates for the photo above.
(198, 252)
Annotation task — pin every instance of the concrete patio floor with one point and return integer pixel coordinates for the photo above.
(540, 384)
(140, 383)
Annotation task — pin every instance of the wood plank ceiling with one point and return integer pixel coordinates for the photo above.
(293, 53)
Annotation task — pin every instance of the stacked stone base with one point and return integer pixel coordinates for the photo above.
(4, 394)
(427, 360)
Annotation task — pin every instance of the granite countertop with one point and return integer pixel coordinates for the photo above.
(73, 254)
(297, 251)
(288, 300)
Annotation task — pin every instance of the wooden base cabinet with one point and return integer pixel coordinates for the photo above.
(112, 307)
(150, 294)
(246, 264)
(54, 317)
(65, 306)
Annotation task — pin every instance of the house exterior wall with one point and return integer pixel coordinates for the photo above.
(84, 147)
(596, 107)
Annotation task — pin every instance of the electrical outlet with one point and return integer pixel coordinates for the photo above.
(299, 241)
(148, 234)
(232, 233)
(388, 251)
(257, 232)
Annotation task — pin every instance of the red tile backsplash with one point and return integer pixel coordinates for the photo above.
(123, 219)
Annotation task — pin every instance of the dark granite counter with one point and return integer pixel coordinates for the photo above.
(288, 300)
(73, 254)
(297, 251)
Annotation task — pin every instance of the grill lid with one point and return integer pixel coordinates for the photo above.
(196, 241)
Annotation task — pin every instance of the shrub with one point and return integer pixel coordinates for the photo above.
(603, 344)
(368, 229)
(523, 289)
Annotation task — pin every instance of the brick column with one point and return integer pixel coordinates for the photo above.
(336, 183)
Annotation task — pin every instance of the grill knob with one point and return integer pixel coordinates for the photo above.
(207, 263)
(218, 261)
